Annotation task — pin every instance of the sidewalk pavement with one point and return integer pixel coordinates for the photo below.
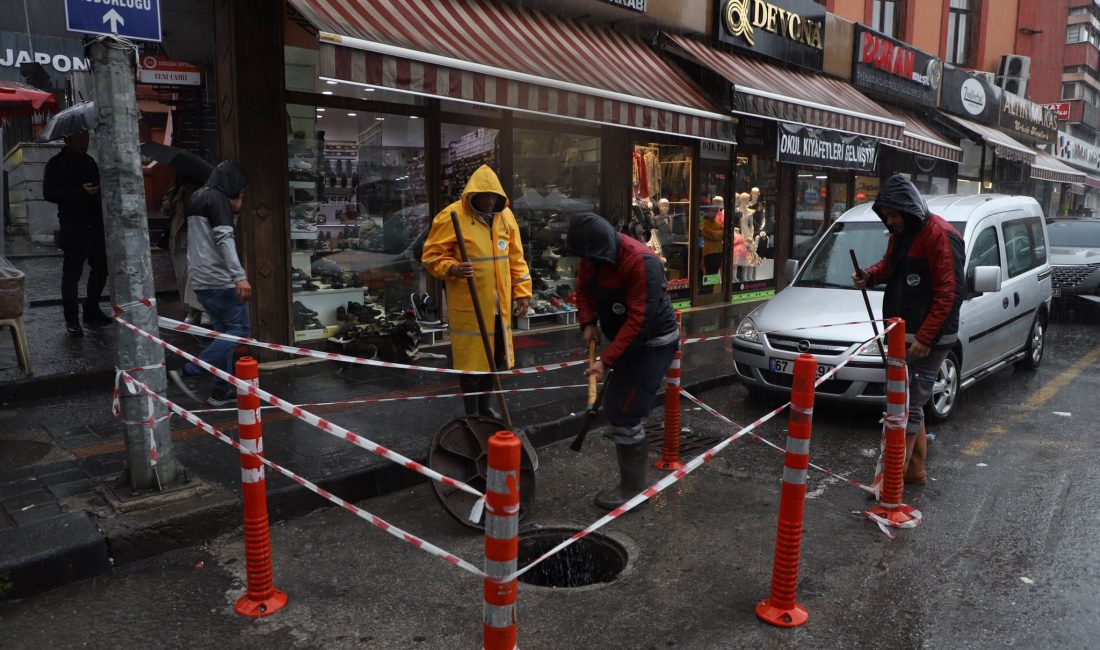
(62, 518)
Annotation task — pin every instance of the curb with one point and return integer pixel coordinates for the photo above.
(44, 559)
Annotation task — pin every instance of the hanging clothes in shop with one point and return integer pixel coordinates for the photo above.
(653, 173)
(641, 179)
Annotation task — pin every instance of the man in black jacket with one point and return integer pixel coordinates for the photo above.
(621, 287)
(215, 273)
(72, 182)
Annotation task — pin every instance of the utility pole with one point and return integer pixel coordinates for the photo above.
(129, 262)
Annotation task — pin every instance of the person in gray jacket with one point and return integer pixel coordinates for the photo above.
(216, 274)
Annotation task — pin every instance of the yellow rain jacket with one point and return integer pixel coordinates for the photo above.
(711, 231)
(500, 272)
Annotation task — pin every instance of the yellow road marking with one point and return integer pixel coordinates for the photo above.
(976, 447)
(1044, 394)
(1040, 397)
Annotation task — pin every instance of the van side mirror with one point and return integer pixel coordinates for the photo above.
(790, 269)
(986, 279)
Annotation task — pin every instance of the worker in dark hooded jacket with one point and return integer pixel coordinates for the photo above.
(925, 284)
(216, 275)
(501, 279)
(621, 287)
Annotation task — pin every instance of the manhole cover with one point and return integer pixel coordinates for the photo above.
(595, 559)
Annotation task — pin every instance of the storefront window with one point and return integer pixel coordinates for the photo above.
(359, 205)
(713, 179)
(463, 150)
(661, 219)
(867, 188)
(755, 191)
(811, 200)
(557, 175)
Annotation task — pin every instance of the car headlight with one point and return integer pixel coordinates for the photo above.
(746, 331)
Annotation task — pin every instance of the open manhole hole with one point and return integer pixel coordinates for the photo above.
(595, 559)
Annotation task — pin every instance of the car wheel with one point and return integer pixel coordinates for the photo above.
(1036, 344)
(945, 391)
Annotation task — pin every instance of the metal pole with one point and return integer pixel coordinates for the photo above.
(128, 259)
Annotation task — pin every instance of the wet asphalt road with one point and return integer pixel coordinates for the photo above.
(1005, 557)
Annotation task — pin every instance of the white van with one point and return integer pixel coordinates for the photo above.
(1002, 321)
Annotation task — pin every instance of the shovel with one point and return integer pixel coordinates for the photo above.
(870, 312)
(530, 448)
(592, 409)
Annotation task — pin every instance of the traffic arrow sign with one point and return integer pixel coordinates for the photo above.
(137, 19)
(115, 19)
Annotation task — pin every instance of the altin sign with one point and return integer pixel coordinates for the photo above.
(743, 17)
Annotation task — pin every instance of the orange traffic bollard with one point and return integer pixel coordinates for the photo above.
(262, 598)
(781, 608)
(890, 507)
(670, 449)
(501, 541)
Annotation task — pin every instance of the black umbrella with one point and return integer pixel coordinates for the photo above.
(75, 119)
(181, 160)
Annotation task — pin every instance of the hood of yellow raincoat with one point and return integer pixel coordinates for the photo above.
(484, 180)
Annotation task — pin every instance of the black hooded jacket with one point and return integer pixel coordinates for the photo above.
(63, 184)
(211, 249)
(621, 284)
(924, 267)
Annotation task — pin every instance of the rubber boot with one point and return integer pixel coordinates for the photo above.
(916, 448)
(632, 468)
(485, 407)
(469, 404)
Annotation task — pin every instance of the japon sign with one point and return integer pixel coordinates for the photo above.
(161, 71)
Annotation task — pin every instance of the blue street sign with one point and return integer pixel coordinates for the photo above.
(138, 19)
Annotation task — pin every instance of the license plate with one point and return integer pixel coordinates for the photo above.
(786, 367)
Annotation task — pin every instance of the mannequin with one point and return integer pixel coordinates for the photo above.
(719, 205)
(747, 225)
(760, 223)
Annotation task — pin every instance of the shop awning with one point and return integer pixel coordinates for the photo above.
(765, 90)
(1093, 181)
(1048, 168)
(503, 55)
(923, 139)
(1003, 145)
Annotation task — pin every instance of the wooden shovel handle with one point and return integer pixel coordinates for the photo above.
(592, 391)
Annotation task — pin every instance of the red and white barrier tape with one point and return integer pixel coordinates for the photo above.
(651, 491)
(127, 306)
(718, 337)
(380, 400)
(885, 524)
(409, 538)
(319, 422)
(171, 324)
(150, 422)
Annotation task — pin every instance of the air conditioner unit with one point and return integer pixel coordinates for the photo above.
(988, 75)
(1013, 74)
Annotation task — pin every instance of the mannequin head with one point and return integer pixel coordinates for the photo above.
(718, 203)
(662, 206)
(743, 199)
(754, 194)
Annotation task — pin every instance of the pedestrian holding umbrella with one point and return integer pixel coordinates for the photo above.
(74, 120)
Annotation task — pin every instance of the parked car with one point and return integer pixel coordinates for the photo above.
(1075, 258)
(1002, 321)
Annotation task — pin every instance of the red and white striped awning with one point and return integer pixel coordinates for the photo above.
(923, 139)
(762, 89)
(1048, 168)
(507, 56)
(1003, 145)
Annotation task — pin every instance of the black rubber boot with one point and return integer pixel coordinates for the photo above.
(469, 404)
(632, 471)
(485, 407)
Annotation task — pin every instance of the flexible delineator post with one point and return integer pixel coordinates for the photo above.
(670, 449)
(501, 541)
(781, 608)
(262, 598)
(890, 507)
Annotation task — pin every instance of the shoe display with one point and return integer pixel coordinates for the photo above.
(300, 225)
(299, 308)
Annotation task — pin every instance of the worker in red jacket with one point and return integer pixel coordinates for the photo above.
(621, 287)
(924, 272)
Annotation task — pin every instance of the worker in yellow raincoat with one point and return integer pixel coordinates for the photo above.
(501, 278)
